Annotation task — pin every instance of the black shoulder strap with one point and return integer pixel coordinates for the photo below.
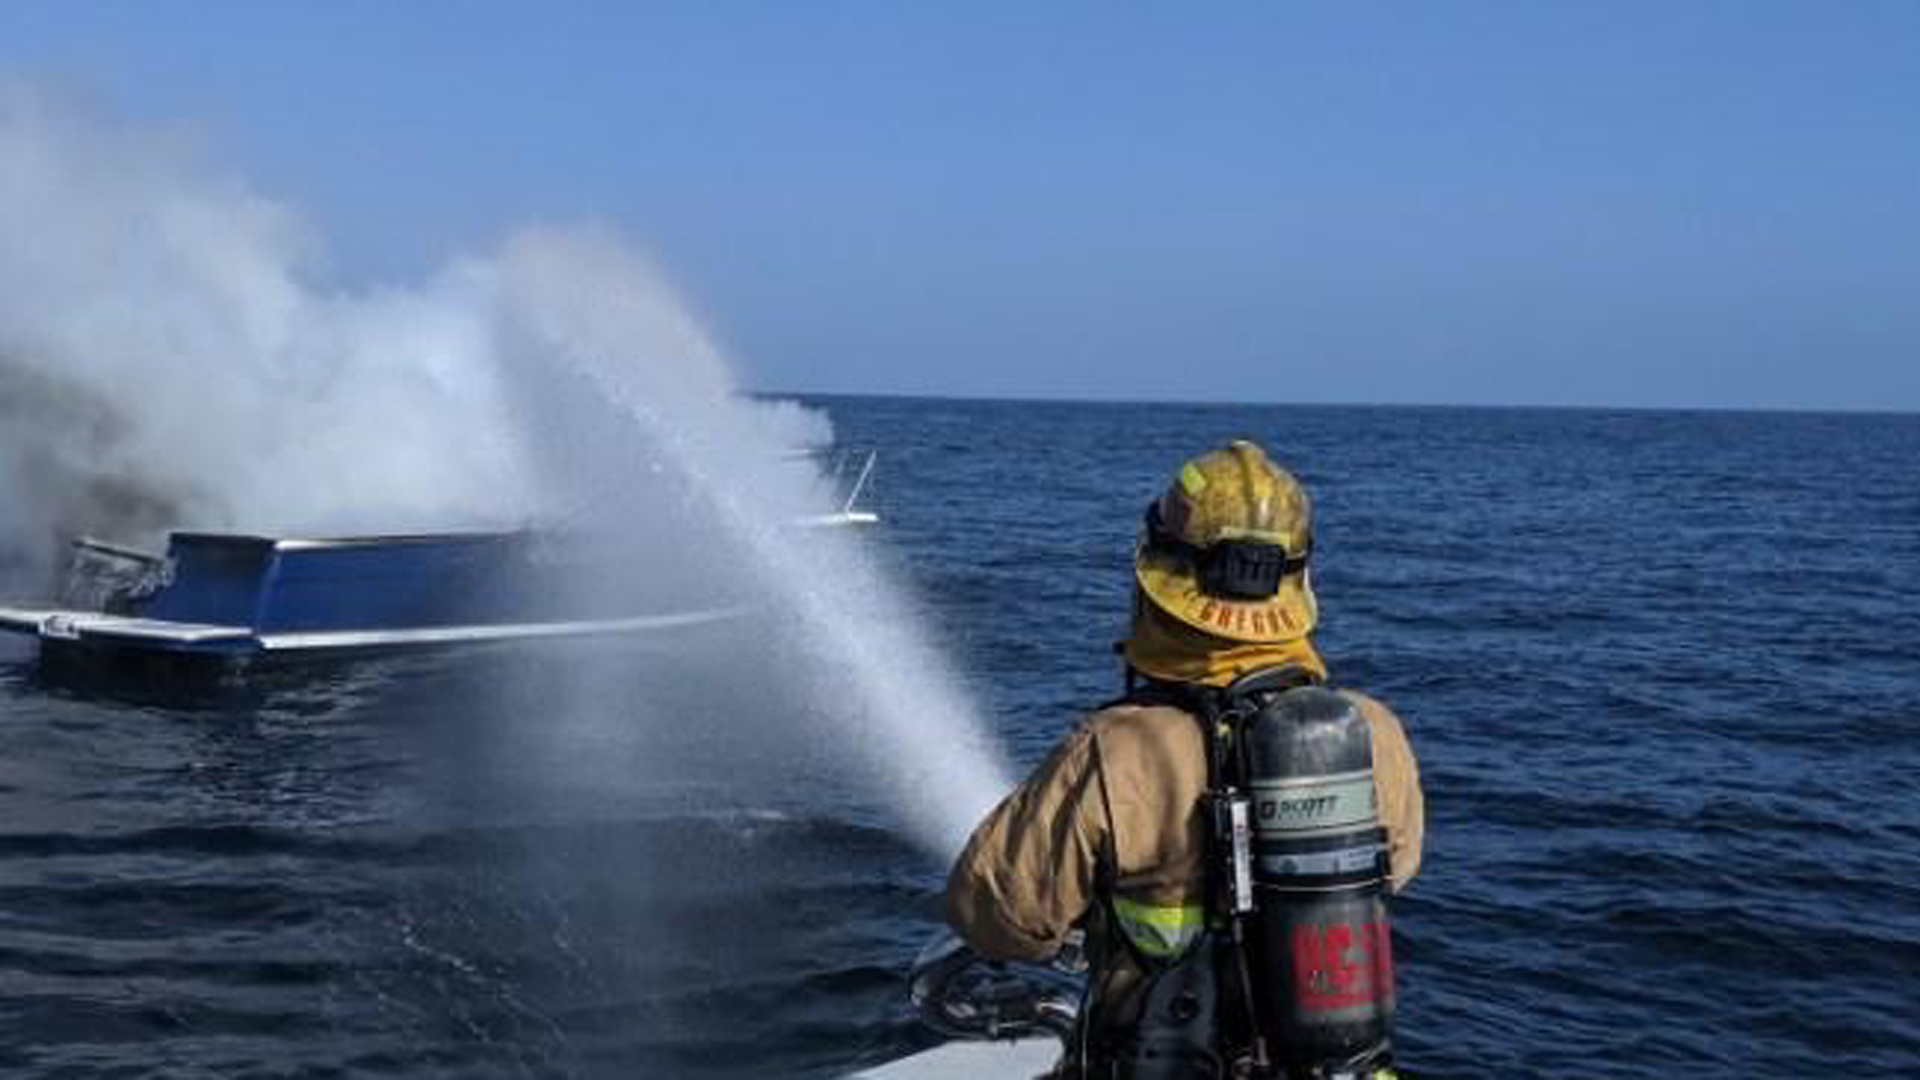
(1228, 807)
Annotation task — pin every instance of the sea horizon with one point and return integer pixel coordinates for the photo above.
(1127, 402)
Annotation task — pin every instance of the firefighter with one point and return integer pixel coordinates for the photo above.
(1111, 833)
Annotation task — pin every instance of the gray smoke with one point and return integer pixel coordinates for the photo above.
(53, 437)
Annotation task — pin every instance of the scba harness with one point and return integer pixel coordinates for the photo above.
(1293, 976)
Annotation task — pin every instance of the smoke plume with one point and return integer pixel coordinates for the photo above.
(169, 358)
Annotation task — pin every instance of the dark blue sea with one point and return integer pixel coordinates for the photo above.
(1662, 671)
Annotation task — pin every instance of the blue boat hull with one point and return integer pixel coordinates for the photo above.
(236, 596)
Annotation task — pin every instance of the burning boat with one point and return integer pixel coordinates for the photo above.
(237, 597)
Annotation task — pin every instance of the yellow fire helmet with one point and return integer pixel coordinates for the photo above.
(1225, 549)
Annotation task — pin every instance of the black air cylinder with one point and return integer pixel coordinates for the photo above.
(1320, 938)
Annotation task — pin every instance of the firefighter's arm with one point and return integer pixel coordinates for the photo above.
(1028, 873)
(1396, 781)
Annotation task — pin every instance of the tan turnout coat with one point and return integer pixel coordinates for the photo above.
(1114, 812)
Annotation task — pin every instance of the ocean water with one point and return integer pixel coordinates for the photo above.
(1660, 669)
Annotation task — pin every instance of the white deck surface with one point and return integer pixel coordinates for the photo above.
(1022, 1059)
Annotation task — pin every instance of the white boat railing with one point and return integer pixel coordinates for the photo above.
(859, 464)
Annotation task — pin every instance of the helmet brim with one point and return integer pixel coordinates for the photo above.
(1168, 580)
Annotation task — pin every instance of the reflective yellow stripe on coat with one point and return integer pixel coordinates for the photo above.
(1159, 931)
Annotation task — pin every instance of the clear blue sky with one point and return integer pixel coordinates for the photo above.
(1614, 203)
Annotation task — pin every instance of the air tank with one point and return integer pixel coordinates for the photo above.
(1320, 939)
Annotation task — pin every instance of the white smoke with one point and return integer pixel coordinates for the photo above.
(165, 356)
(169, 359)
(165, 361)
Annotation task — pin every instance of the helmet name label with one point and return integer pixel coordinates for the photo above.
(1266, 620)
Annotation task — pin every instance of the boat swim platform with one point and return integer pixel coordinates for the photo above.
(92, 628)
